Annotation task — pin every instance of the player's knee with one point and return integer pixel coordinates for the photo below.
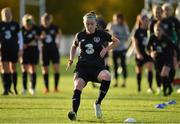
(105, 75)
(79, 84)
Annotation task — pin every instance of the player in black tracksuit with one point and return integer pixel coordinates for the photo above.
(162, 51)
(90, 65)
(50, 50)
(171, 26)
(140, 42)
(157, 16)
(30, 52)
(11, 45)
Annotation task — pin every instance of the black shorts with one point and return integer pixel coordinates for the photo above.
(10, 55)
(50, 55)
(88, 73)
(160, 63)
(146, 59)
(31, 55)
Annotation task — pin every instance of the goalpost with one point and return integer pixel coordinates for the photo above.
(41, 4)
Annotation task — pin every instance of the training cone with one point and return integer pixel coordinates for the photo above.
(171, 102)
(130, 120)
(160, 106)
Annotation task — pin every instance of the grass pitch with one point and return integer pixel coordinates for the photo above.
(119, 104)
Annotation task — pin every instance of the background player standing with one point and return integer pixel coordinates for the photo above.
(11, 47)
(50, 50)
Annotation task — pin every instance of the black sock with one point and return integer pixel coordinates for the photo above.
(150, 78)
(76, 100)
(33, 80)
(172, 74)
(5, 85)
(46, 80)
(24, 76)
(165, 82)
(14, 80)
(56, 79)
(158, 79)
(103, 90)
(7, 82)
(139, 77)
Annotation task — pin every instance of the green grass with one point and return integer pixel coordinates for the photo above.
(119, 104)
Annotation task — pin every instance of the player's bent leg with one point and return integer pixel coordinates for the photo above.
(105, 78)
(79, 84)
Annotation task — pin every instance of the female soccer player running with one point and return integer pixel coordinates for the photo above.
(162, 50)
(11, 46)
(50, 50)
(30, 52)
(90, 65)
(140, 41)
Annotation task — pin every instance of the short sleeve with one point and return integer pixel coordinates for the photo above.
(107, 37)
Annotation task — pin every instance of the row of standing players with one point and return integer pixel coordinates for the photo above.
(156, 42)
(160, 48)
(21, 43)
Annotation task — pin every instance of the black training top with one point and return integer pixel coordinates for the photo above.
(50, 32)
(90, 47)
(141, 39)
(164, 48)
(30, 35)
(9, 34)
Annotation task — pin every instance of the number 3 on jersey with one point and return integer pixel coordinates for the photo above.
(89, 49)
(7, 35)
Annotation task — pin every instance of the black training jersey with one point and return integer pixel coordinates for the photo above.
(50, 33)
(9, 34)
(151, 26)
(30, 35)
(141, 39)
(90, 47)
(167, 27)
(164, 48)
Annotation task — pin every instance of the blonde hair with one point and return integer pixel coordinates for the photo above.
(3, 11)
(46, 16)
(155, 8)
(90, 15)
(169, 6)
(27, 17)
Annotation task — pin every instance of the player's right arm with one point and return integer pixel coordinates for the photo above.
(72, 52)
